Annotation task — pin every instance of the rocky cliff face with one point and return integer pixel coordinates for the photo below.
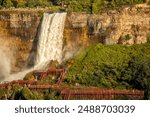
(17, 31)
(130, 25)
(126, 26)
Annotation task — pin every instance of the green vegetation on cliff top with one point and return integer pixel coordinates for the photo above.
(94, 6)
(89, 6)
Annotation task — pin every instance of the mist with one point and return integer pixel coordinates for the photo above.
(5, 64)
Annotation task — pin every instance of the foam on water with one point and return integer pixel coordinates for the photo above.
(50, 43)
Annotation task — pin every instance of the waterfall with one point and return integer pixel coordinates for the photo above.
(50, 43)
(50, 38)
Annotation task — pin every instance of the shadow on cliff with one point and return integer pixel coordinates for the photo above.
(32, 55)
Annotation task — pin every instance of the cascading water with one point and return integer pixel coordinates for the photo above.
(49, 43)
(50, 38)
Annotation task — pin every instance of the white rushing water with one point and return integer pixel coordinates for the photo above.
(50, 43)
(50, 38)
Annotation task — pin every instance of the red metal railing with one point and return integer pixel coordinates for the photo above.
(100, 94)
(75, 92)
(42, 75)
(50, 71)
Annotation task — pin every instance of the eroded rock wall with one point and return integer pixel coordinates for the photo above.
(130, 25)
(17, 32)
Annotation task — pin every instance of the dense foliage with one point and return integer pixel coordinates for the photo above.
(94, 6)
(103, 66)
(25, 3)
(89, 6)
(112, 66)
(19, 92)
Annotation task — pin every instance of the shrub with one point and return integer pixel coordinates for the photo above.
(57, 2)
(27, 94)
(29, 76)
(41, 3)
(148, 39)
(97, 5)
(105, 65)
(21, 4)
(31, 3)
(2, 94)
(140, 72)
(8, 3)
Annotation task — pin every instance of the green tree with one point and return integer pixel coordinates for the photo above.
(27, 94)
(41, 3)
(57, 2)
(140, 72)
(8, 3)
(99, 4)
(21, 4)
(31, 3)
